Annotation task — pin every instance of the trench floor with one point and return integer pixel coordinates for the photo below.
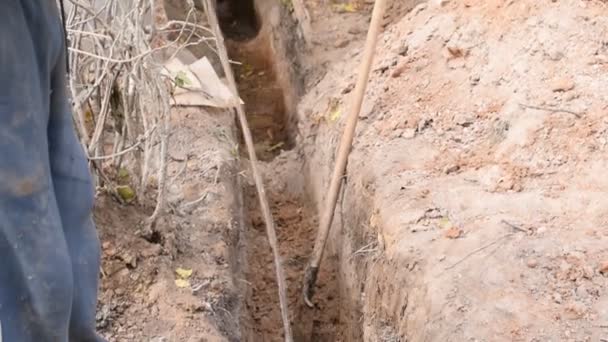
(295, 218)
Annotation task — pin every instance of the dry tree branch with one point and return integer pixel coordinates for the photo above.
(119, 95)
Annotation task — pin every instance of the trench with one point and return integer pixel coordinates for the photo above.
(268, 112)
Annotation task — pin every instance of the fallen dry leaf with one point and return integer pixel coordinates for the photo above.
(445, 223)
(183, 273)
(182, 283)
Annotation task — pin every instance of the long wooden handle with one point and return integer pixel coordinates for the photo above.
(259, 184)
(344, 151)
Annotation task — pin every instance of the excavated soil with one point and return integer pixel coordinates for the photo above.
(296, 224)
(474, 206)
(140, 296)
(479, 148)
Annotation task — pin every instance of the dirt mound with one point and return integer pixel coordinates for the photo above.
(478, 161)
(143, 297)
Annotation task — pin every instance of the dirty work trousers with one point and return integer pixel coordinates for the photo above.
(49, 250)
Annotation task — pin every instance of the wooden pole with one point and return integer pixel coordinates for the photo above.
(310, 275)
(259, 184)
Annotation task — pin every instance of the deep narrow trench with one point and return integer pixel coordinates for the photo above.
(293, 212)
(256, 77)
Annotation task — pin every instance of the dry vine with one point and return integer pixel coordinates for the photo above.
(121, 98)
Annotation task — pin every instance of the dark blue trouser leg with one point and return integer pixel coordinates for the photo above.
(49, 250)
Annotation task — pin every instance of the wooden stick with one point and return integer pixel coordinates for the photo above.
(270, 229)
(310, 275)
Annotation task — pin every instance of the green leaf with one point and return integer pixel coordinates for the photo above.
(123, 173)
(181, 79)
(126, 193)
(288, 4)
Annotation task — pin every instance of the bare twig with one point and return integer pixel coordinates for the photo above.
(478, 250)
(196, 201)
(514, 226)
(552, 109)
(371, 247)
(116, 77)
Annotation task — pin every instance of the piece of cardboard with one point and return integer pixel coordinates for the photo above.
(202, 86)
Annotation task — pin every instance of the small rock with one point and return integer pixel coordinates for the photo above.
(424, 124)
(604, 268)
(454, 52)
(575, 310)
(129, 259)
(581, 292)
(396, 134)
(532, 263)
(557, 298)
(555, 54)
(153, 250)
(451, 169)
(409, 133)
(355, 30)
(571, 96)
(110, 252)
(400, 69)
(453, 233)
(588, 272)
(403, 49)
(342, 43)
(562, 84)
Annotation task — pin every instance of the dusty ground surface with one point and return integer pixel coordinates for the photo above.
(475, 202)
(479, 161)
(139, 298)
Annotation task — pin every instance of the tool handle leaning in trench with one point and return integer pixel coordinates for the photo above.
(259, 184)
(310, 275)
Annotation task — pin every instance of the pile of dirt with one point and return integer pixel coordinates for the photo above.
(478, 161)
(176, 280)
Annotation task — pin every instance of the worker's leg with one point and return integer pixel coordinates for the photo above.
(36, 278)
(73, 190)
(74, 195)
(35, 271)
